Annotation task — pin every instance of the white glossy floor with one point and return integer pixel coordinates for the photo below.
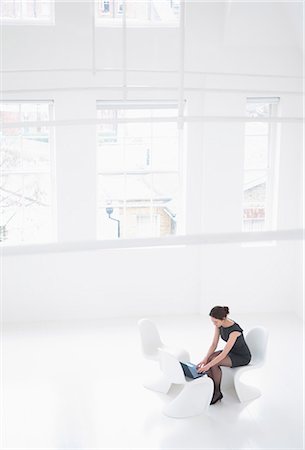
(79, 386)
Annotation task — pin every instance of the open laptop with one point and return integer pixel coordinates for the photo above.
(190, 370)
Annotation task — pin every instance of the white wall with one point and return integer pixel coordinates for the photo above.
(261, 278)
(104, 283)
(257, 277)
(250, 40)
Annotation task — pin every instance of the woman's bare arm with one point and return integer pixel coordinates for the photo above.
(212, 347)
(231, 341)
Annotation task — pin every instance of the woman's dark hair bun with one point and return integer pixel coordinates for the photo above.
(219, 312)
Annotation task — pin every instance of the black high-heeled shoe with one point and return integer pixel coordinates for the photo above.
(216, 399)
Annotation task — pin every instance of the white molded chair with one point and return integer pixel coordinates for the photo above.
(196, 395)
(257, 339)
(151, 345)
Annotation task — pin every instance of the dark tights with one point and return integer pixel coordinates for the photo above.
(215, 373)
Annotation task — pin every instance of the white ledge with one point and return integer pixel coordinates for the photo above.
(169, 241)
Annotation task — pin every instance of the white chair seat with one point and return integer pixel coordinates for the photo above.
(257, 340)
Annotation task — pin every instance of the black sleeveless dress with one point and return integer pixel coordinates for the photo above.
(240, 354)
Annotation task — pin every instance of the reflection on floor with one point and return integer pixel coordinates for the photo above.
(79, 385)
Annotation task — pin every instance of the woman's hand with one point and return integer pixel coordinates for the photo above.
(202, 363)
(203, 368)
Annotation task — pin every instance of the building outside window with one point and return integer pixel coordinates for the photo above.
(27, 11)
(261, 153)
(139, 171)
(26, 200)
(144, 12)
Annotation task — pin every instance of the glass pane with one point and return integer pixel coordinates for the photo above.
(256, 194)
(254, 178)
(37, 223)
(166, 220)
(138, 155)
(32, 151)
(138, 222)
(165, 153)
(254, 219)
(10, 112)
(258, 110)
(165, 192)
(133, 132)
(43, 9)
(141, 11)
(111, 157)
(254, 208)
(111, 190)
(110, 222)
(104, 8)
(12, 190)
(36, 153)
(138, 190)
(256, 154)
(107, 131)
(11, 201)
(28, 9)
(37, 190)
(136, 10)
(257, 128)
(7, 9)
(34, 112)
(26, 196)
(165, 129)
(165, 10)
(11, 224)
(11, 159)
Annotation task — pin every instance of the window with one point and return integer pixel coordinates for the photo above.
(25, 184)
(144, 12)
(260, 165)
(27, 11)
(139, 179)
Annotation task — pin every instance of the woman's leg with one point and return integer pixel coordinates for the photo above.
(213, 355)
(215, 373)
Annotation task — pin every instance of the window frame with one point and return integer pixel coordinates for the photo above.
(24, 21)
(51, 172)
(272, 169)
(148, 105)
(118, 22)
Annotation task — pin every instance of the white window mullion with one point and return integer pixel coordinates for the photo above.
(123, 232)
(51, 133)
(151, 179)
(15, 7)
(273, 169)
(268, 200)
(149, 10)
(180, 223)
(269, 173)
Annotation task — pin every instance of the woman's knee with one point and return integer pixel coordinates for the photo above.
(213, 356)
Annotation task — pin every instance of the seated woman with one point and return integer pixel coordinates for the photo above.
(235, 353)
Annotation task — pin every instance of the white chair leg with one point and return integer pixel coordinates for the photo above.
(227, 380)
(194, 399)
(161, 385)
